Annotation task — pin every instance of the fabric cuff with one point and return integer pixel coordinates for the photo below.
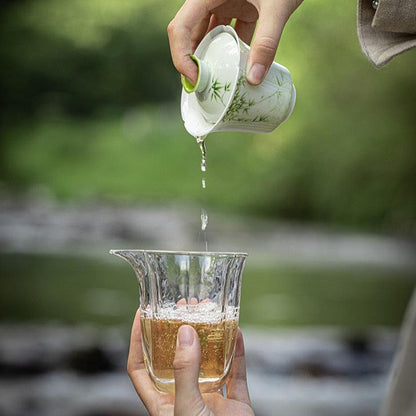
(395, 16)
(380, 46)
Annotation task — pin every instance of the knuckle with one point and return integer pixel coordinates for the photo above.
(174, 29)
(129, 368)
(171, 27)
(181, 68)
(181, 364)
(176, 32)
(266, 45)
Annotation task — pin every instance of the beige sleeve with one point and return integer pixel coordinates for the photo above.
(401, 397)
(387, 31)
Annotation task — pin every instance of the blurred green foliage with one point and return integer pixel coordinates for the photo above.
(84, 57)
(91, 110)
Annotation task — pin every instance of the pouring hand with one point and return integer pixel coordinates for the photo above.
(197, 17)
(188, 400)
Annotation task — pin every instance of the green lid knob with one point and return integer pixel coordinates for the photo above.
(202, 80)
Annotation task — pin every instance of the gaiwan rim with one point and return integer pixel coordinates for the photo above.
(206, 127)
(183, 252)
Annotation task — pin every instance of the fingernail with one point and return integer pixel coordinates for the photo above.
(185, 336)
(256, 74)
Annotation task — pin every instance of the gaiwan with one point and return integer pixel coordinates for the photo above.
(222, 99)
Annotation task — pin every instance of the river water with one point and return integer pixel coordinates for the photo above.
(80, 371)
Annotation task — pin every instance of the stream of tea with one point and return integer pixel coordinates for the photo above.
(204, 215)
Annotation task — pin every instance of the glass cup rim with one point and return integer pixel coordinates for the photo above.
(184, 252)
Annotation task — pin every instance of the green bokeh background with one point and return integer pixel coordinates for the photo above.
(91, 111)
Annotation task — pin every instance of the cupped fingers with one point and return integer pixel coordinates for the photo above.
(137, 370)
(237, 382)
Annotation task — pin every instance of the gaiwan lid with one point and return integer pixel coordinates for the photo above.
(205, 103)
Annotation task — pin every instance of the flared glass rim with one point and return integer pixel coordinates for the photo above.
(183, 252)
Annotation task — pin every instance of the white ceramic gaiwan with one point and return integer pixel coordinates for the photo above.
(222, 99)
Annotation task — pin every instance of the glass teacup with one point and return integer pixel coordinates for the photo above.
(201, 289)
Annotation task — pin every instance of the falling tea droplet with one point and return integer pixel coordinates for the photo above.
(202, 146)
(204, 220)
(204, 216)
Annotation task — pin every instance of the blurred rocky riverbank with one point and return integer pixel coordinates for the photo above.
(35, 222)
(54, 370)
(49, 369)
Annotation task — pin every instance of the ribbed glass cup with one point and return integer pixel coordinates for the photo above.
(201, 289)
